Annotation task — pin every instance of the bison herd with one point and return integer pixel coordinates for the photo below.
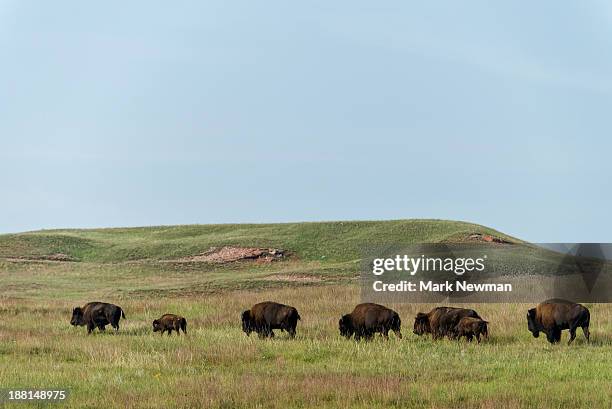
(549, 317)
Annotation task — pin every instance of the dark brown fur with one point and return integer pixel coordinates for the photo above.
(368, 319)
(553, 316)
(170, 322)
(470, 327)
(264, 317)
(441, 321)
(97, 315)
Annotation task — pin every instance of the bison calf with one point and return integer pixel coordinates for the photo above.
(367, 319)
(553, 316)
(470, 327)
(170, 322)
(441, 321)
(97, 315)
(264, 317)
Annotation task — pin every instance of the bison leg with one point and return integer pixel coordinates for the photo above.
(268, 331)
(554, 335)
(264, 332)
(113, 320)
(90, 327)
(572, 332)
(102, 327)
(586, 332)
(385, 333)
(169, 331)
(292, 332)
(557, 334)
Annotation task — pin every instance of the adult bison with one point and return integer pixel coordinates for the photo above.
(553, 316)
(441, 321)
(97, 315)
(264, 317)
(367, 319)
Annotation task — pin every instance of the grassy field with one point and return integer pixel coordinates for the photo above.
(216, 365)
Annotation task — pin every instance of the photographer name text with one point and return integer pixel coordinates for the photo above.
(448, 286)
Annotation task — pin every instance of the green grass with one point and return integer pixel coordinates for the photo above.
(330, 241)
(216, 365)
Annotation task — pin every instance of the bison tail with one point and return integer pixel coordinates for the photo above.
(298, 316)
(122, 314)
(184, 325)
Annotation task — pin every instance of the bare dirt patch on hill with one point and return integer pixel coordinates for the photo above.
(229, 254)
(486, 238)
(477, 238)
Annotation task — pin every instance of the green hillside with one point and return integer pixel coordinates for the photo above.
(321, 241)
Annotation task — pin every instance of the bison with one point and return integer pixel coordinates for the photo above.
(469, 328)
(441, 321)
(553, 316)
(97, 315)
(170, 322)
(367, 319)
(264, 317)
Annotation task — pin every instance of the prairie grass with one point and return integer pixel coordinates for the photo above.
(216, 365)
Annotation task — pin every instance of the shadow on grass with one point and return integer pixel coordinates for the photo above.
(597, 340)
(143, 330)
(491, 340)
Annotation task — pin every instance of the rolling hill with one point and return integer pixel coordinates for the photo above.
(328, 241)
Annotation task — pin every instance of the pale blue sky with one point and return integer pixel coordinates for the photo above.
(147, 113)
